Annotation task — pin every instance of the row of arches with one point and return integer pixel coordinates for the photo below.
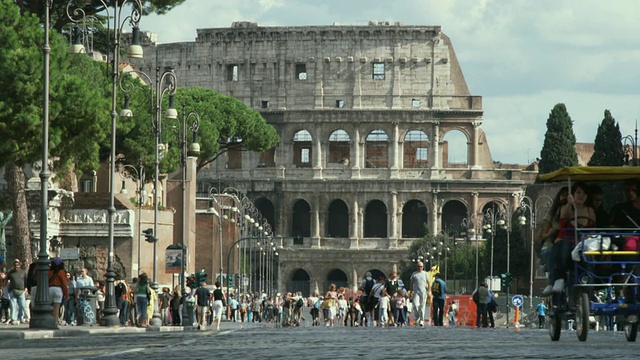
(416, 148)
(300, 280)
(337, 220)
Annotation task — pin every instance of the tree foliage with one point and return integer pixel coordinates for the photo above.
(558, 149)
(90, 8)
(79, 116)
(224, 123)
(608, 143)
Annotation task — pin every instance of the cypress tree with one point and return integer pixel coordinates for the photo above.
(558, 149)
(608, 143)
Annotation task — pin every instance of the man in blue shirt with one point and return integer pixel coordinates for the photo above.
(438, 293)
(541, 310)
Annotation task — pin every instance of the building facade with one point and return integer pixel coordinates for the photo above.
(367, 116)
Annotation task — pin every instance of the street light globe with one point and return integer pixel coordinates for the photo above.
(501, 222)
(246, 217)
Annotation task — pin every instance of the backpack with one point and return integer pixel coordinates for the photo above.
(476, 297)
(368, 286)
(436, 289)
(299, 303)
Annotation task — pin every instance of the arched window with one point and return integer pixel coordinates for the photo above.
(338, 220)
(375, 220)
(414, 217)
(302, 149)
(416, 146)
(377, 149)
(301, 222)
(339, 147)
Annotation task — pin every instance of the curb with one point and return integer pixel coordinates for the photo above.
(28, 334)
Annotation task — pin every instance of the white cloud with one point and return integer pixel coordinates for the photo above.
(522, 56)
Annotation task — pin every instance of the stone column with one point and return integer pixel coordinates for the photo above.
(394, 152)
(433, 220)
(315, 223)
(475, 140)
(393, 209)
(356, 154)
(355, 224)
(317, 153)
(435, 146)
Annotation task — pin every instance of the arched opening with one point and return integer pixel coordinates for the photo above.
(266, 208)
(414, 218)
(453, 213)
(300, 281)
(375, 220)
(302, 149)
(301, 221)
(377, 149)
(455, 149)
(339, 147)
(416, 146)
(338, 220)
(337, 277)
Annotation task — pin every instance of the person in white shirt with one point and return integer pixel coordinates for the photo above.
(83, 280)
(383, 308)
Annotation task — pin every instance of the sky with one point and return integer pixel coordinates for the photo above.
(521, 56)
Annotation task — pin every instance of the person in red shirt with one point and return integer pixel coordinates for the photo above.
(57, 285)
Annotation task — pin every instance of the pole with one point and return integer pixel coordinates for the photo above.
(184, 196)
(140, 202)
(155, 320)
(43, 310)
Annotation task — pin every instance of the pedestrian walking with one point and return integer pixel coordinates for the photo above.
(541, 310)
(480, 296)
(420, 289)
(439, 294)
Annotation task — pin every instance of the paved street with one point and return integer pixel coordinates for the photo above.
(266, 342)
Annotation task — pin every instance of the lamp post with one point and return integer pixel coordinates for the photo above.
(218, 213)
(139, 176)
(192, 126)
(532, 208)
(165, 83)
(110, 311)
(630, 145)
(42, 317)
(470, 225)
(490, 217)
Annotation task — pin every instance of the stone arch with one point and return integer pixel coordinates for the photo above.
(414, 217)
(375, 274)
(301, 219)
(415, 150)
(377, 149)
(375, 220)
(455, 147)
(453, 212)
(337, 277)
(339, 147)
(299, 281)
(302, 148)
(338, 219)
(268, 211)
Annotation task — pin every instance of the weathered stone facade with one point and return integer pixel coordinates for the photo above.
(364, 113)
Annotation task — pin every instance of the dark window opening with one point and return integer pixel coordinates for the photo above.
(232, 72)
(378, 71)
(301, 71)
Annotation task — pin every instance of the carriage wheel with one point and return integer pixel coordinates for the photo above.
(631, 331)
(582, 316)
(555, 326)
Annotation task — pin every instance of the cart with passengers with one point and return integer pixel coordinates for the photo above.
(605, 272)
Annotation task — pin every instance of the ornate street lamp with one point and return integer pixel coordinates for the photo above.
(139, 177)
(532, 208)
(134, 50)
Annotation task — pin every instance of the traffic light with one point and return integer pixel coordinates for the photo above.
(229, 281)
(503, 279)
(506, 279)
(200, 277)
(148, 236)
(191, 281)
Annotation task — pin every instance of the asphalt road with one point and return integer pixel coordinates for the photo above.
(267, 342)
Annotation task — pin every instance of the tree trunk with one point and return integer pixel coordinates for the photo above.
(14, 175)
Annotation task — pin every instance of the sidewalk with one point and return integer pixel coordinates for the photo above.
(22, 331)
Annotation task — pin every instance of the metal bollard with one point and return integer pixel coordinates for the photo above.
(87, 307)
